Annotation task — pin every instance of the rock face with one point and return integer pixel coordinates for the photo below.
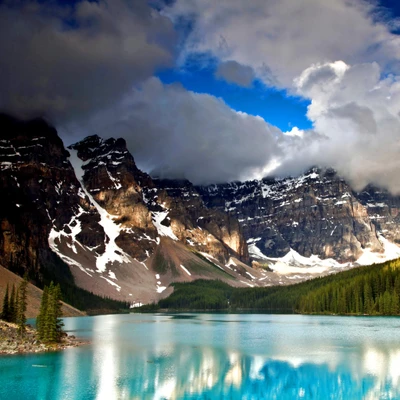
(111, 178)
(315, 214)
(146, 208)
(89, 216)
(208, 230)
(40, 191)
(383, 210)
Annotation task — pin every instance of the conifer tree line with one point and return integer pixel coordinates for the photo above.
(375, 292)
(49, 324)
(14, 305)
(371, 290)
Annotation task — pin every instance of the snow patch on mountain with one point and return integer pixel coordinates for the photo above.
(185, 270)
(295, 263)
(158, 217)
(112, 253)
(391, 252)
(56, 235)
(211, 259)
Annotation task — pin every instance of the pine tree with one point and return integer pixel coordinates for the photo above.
(48, 325)
(40, 320)
(21, 305)
(58, 312)
(12, 305)
(49, 321)
(395, 303)
(5, 314)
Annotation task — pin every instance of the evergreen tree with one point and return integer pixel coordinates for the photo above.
(21, 305)
(5, 314)
(49, 323)
(12, 305)
(395, 303)
(40, 320)
(58, 312)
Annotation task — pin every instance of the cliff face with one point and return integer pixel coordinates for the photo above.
(383, 211)
(145, 209)
(39, 191)
(89, 215)
(315, 214)
(208, 230)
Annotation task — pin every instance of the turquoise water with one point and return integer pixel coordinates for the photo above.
(214, 356)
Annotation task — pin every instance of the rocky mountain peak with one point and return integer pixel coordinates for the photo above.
(90, 216)
(27, 142)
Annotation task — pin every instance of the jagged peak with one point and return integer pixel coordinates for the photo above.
(87, 141)
(93, 147)
(96, 142)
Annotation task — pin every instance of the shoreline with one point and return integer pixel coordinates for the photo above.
(11, 343)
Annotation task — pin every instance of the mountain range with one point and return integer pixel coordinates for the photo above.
(86, 215)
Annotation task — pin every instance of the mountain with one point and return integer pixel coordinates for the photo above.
(316, 215)
(89, 216)
(86, 216)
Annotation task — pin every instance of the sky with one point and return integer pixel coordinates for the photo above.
(214, 91)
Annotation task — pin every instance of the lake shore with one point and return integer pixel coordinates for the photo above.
(12, 343)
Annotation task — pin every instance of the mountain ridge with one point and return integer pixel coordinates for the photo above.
(89, 216)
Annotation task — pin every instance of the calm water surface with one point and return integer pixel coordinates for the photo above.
(214, 356)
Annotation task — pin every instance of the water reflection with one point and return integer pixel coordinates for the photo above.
(188, 373)
(159, 357)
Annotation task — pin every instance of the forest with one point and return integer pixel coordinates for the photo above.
(370, 290)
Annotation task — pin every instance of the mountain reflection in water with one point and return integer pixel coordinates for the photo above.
(215, 357)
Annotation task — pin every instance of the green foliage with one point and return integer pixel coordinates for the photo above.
(12, 304)
(372, 290)
(42, 312)
(216, 295)
(10, 310)
(198, 295)
(162, 265)
(21, 305)
(90, 302)
(5, 314)
(49, 323)
(213, 267)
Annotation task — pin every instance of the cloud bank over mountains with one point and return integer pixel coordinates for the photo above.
(176, 133)
(89, 67)
(356, 113)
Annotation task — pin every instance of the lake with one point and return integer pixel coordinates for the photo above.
(214, 356)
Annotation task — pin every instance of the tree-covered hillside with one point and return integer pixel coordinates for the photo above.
(372, 290)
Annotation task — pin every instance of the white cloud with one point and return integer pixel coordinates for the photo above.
(357, 113)
(70, 62)
(295, 131)
(181, 134)
(281, 38)
(338, 54)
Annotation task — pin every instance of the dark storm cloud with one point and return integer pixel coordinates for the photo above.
(64, 62)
